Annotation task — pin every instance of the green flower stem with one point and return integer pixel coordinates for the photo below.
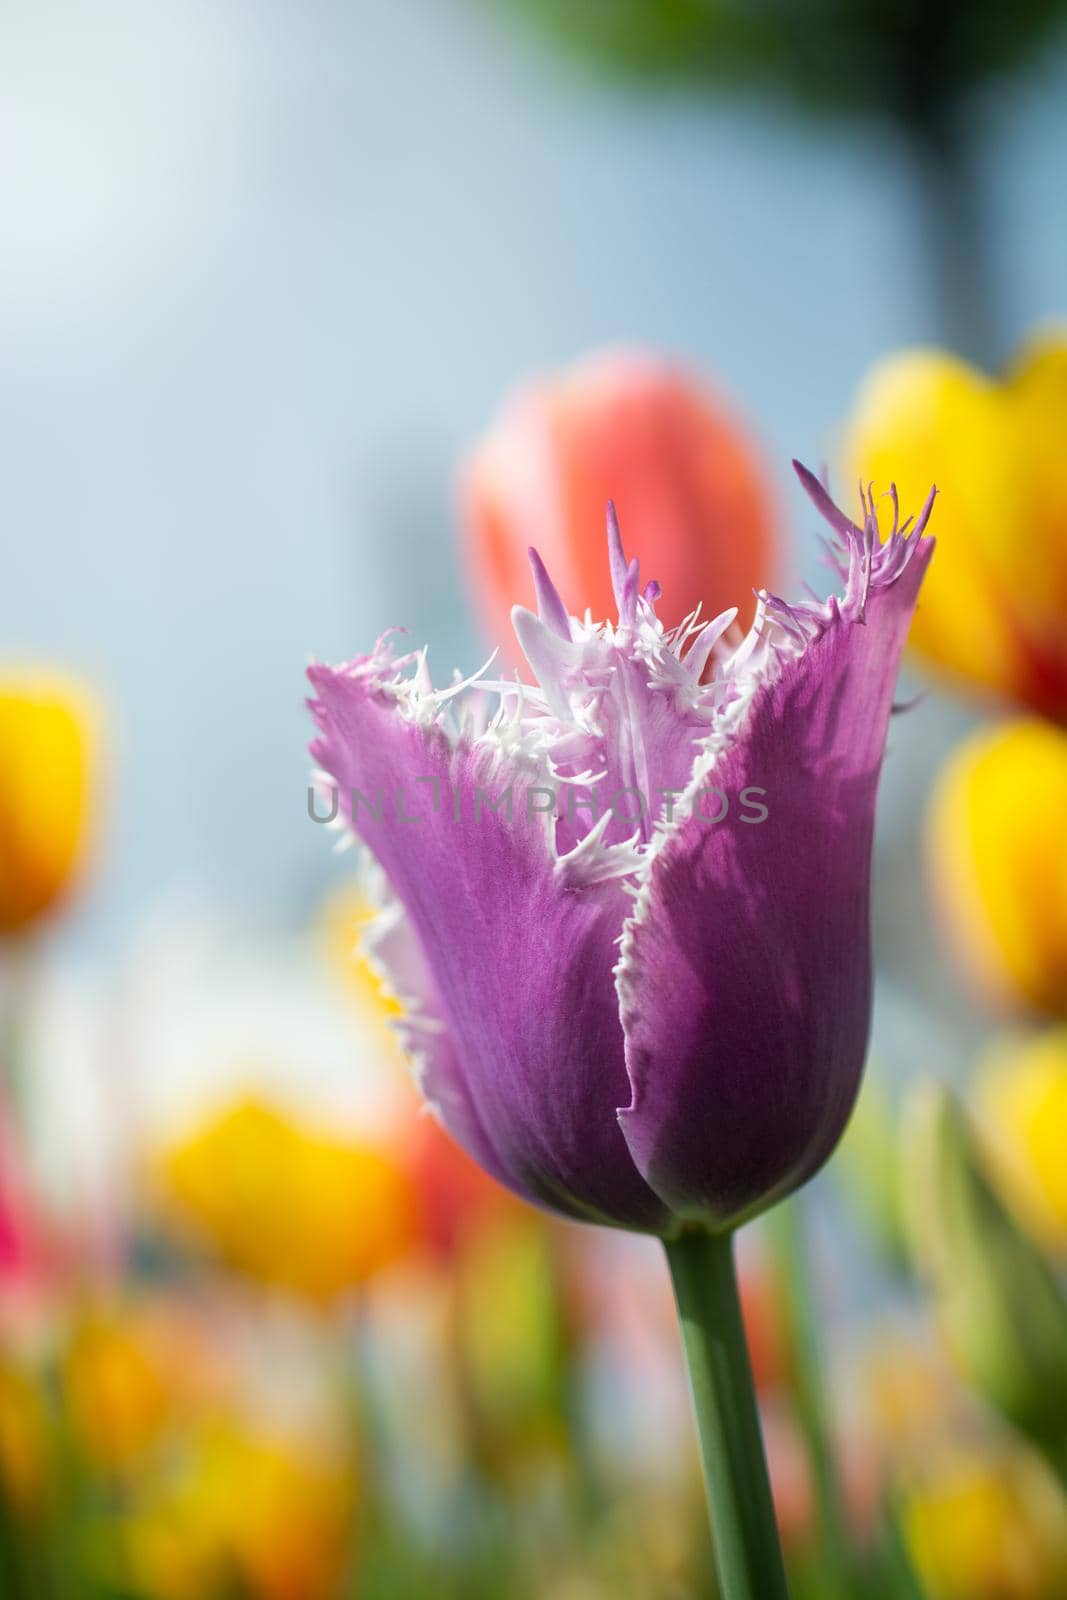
(748, 1551)
(790, 1245)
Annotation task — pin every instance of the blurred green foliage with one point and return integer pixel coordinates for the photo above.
(903, 59)
(1002, 1311)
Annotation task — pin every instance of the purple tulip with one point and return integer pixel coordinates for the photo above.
(627, 907)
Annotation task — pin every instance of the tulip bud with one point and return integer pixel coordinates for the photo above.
(994, 613)
(997, 854)
(45, 771)
(632, 428)
(1002, 1312)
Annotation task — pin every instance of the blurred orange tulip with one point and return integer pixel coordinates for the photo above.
(691, 493)
(46, 756)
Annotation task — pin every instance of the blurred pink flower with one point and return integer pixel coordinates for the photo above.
(23, 1252)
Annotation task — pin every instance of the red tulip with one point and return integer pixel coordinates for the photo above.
(631, 427)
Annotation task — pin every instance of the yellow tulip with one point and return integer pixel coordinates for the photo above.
(993, 614)
(1022, 1101)
(241, 1508)
(289, 1205)
(46, 756)
(997, 851)
(119, 1379)
(24, 1442)
(344, 919)
(985, 1524)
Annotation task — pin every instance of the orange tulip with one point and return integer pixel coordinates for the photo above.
(691, 493)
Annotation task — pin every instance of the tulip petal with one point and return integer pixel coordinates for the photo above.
(744, 977)
(992, 613)
(530, 1063)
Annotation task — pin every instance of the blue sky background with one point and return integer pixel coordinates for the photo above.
(269, 269)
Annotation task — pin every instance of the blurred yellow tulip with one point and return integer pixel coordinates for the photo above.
(993, 614)
(24, 1441)
(243, 1510)
(1021, 1099)
(987, 1524)
(997, 855)
(47, 741)
(120, 1379)
(305, 1210)
(343, 921)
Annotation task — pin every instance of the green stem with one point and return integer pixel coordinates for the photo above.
(748, 1553)
(788, 1235)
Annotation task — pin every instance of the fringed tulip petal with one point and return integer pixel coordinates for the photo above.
(745, 971)
(529, 1067)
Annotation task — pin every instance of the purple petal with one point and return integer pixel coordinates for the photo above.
(521, 965)
(616, 555)
(820, 499)
(550, 607)
(745, 976)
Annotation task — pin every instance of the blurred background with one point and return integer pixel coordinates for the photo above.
(270, 273)
(271, 268)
